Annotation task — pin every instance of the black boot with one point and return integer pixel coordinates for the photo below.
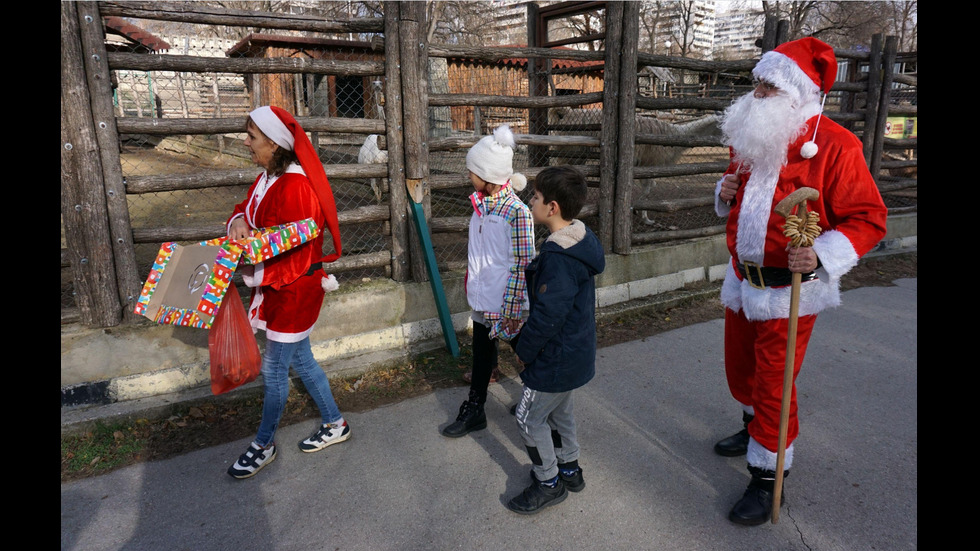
(537, 496)
(738, 443)
(755, 507)
(471, 417)
(575, 482)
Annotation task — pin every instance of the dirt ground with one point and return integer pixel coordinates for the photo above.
(223, 420)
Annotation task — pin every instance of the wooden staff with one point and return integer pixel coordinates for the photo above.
(802, 229)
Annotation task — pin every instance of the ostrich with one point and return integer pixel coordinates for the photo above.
(370, 153)
(647, 154)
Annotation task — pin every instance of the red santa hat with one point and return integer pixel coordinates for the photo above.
(280, 127)
(803, 68)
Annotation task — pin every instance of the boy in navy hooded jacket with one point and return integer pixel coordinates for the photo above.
(557, 344)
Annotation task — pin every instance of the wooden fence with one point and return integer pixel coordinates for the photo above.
(99, 240)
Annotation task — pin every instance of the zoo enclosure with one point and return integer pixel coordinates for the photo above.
(427, 106)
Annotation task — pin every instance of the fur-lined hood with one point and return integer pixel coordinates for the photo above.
(572, 241)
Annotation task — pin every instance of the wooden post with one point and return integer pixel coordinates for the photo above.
(768, 40)
(415, 119)
(887, 74)
(782, 31)
(873, 98)
(414, 55)
(311, 107)
(609, 134)
(136, 94)
(398, 203)
(92, 33)
(623, 229)
(848, 102)
(83, 197)
(537, 79)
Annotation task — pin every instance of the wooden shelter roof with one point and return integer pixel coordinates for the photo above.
(135, 38)
(521, 62)
(257, 41)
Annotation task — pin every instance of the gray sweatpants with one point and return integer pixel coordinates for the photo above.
(547, 427)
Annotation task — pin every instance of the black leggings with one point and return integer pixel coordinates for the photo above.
(484, 360)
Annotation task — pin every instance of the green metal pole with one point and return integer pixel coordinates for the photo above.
(435, 280)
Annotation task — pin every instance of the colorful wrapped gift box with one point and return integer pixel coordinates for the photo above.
(187, 283)
(269, 242)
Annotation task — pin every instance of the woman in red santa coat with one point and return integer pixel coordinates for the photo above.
(780, 142)
(288, 289)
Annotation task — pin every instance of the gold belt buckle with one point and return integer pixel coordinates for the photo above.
(758, 271)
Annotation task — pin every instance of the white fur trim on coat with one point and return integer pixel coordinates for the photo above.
(761, 458)
(781, 70)
(753, 217)
(773, 303)
(836, 253)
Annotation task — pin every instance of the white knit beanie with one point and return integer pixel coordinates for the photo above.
(492, 159)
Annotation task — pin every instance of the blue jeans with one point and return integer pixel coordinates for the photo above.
(275, 375)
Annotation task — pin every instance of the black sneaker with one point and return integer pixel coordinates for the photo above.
(327, 435)
(471, 417)
(252, 461)
(537, 496)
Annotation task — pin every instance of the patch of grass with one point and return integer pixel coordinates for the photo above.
(101, 449)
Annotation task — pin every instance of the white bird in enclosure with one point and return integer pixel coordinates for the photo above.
(370, 153)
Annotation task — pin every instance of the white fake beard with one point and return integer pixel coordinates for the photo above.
(761, 129)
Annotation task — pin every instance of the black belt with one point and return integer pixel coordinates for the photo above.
(314, 267)
(761, 277)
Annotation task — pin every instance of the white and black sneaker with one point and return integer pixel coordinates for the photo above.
(327, 435)
(252, 461)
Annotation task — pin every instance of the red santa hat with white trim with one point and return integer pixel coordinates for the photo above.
(803, 68)
(280, 127)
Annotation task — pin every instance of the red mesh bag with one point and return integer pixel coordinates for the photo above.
(235, 356)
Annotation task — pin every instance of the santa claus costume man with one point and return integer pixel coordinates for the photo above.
(780, 142)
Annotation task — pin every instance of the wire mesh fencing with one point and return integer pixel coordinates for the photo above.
(185, 188)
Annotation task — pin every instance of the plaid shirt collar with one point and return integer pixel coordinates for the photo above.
(483, 203)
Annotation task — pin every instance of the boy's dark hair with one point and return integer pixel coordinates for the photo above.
(564, 185)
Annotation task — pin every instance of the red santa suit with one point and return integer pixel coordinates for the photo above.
(852, 220)
(287, 293)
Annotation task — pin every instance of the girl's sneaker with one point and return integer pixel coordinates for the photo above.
(252, 461)
(327, 435)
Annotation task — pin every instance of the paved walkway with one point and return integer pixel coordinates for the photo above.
(647, 424)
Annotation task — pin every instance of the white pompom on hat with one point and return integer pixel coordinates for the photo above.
(492, 159)
(804, 68)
